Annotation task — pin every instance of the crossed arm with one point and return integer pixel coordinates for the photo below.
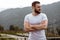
(42, 26)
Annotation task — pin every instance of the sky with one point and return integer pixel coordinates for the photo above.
(5, 4)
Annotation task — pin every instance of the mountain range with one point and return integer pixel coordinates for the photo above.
(15, 16)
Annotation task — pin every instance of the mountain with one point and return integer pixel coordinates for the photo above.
(16, 16)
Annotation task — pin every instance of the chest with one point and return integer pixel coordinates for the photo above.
(35, 20)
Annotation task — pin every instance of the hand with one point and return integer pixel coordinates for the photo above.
(32, 26)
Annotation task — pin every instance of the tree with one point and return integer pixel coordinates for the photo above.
(14, 27)
(1, 28)
(11, 27)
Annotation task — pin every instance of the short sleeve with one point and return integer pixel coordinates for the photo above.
(26, 18)
(44, 17)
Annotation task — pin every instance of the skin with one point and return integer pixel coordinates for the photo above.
(31, 28)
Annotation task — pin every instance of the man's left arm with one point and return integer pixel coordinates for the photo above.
(41, 26)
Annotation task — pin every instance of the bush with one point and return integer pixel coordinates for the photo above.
(52, 35)
(7, 39)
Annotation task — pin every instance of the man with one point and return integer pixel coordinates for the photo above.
(36, 23)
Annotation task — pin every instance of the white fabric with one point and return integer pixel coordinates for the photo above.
(40, 34)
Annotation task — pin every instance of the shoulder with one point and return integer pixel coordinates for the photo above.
(43, 14)
(28, 15)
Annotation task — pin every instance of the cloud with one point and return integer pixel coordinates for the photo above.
(22, 3)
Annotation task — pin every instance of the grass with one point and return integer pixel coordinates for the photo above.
(7, 39)
(19, 32)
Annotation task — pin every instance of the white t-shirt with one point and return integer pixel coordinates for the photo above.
(38, 34)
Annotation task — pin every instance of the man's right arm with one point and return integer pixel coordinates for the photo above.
(27, 27)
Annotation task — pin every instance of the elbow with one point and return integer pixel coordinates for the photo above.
(25, 30)
(45, 27)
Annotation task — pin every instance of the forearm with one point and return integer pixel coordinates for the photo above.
(39, 27)
(29, 29)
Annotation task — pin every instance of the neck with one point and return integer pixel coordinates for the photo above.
(35, 14)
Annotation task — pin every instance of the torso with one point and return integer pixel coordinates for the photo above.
(36, 35)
